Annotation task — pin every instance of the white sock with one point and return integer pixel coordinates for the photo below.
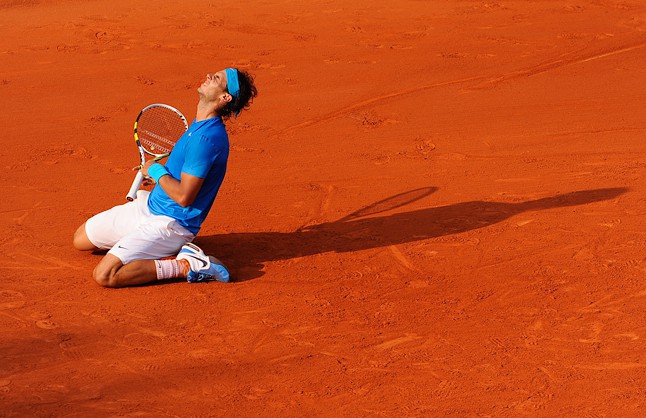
(168, 269)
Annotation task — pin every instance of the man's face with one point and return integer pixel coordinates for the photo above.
(215, 86)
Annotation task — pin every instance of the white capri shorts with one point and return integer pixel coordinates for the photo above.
(131, 232)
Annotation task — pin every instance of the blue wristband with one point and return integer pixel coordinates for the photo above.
(157, 171)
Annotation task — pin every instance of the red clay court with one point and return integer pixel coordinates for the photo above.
(433, 208)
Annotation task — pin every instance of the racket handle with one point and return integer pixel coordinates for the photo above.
(135, 186)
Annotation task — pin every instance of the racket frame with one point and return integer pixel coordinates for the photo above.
(139, 177)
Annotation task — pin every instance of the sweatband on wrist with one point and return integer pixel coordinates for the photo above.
(157, 171)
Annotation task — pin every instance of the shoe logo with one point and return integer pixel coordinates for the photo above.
(204, 264)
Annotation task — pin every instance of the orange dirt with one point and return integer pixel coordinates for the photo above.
(433, 208)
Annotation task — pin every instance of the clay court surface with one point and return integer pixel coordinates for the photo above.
(433, 208)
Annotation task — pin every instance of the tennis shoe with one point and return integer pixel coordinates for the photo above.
(204, 268)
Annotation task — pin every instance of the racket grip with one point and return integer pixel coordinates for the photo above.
(135, 186)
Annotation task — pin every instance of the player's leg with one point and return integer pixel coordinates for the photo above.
(111, 272)
(81, 241)
(191, 264)
(137, 257)
(103, 230)
(138, 241)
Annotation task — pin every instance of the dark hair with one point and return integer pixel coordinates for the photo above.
(245, 97)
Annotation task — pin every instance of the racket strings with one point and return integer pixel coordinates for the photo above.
(159, 145)
(159, 129)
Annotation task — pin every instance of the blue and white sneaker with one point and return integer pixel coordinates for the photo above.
(204, 268)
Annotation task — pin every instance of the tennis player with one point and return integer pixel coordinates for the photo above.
(163, 222)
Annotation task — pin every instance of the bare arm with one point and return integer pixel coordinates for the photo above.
(183, 191)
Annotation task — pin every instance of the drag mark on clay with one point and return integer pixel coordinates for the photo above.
(48, 263)
(629, 335)
(604, 302)
(284, 358)
(401, 258)
(485, 82)
(19, 220)
(611, 366)
(326, 200)
(609, 308)
(318, 214)
(547, 373)
(13, 317)
(368, 102)
(563, 61)
(597, 327)
(386, 345)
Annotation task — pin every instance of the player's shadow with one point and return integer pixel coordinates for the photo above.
(246, 252)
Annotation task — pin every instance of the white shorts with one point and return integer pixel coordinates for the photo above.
(131, 232)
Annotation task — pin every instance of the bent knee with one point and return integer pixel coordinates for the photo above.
(83, 245)
(104, 279)
(81, 241)
(105, 273)
(101, 278)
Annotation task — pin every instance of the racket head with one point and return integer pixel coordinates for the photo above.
(158, 128)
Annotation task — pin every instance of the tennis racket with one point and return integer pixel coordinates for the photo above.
(157, 128)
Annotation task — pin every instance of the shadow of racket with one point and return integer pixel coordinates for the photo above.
(390, 203)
